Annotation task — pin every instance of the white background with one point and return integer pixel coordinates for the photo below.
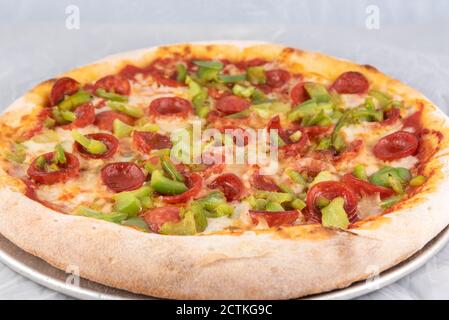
(411, 44)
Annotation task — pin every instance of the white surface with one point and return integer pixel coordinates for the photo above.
(411, 44)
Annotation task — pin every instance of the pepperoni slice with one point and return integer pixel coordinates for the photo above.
(130, 71)
(66, 171)
(85, 115)
(122, 176)
(391, 116)
(351, 82)
(109, 140)
(232, 104)
(250, 63)
(414, 122)
(315, 131)
(263, 182)
(275, 124)
(331, 190)
(62, 87)
(168, 106)
(156, 217)
(351, 151)
(167, 81)
(230, 184)
(114, 83)
(147, 141)
(164, 72)
(104, 120)
(277, 78)
(217, 94)
(299, 94)
(194, 182)
(362, 187)
(291, 148)
(397, 145)
(275, 218)
(210, 163)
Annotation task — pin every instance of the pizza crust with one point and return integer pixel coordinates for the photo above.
(277, 264)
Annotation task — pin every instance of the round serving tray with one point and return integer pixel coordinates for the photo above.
(41, 272)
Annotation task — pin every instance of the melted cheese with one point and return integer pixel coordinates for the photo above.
(352, 100)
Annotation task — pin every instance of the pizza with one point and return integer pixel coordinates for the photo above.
(127, 169)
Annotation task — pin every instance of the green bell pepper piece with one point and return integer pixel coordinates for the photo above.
(170, 169)
(41, 162)
(132, 111)
(324, 144)
(322, 202)
(187, 226)
(296, 136)
(59, 155)
(387, 176)
(209, 64)
(132, 202)
(241, 91)
(91, 145)
(259, 97)
(273, 206)
(382, 98)
(128, 204)
(309, 108)
(212, 200)
(215, 205)
(295, 176)
(225, 78)
(199, 215)
(111, 95)
(166, 186)
(260, 204)
(49, 122)
(194, 87)
(359, 172)
(68, 115)
(298, 204)
(417, 181)
(334, 215)
(71, 102)
(279, 197)
(136, 223)
(256, 75)
(321, 119)
(267, 110)
(389, 202)
(239, 115)
(116, 217)
(317, 92)
(366, 114)
(181, 72)
(17, 153)
(285, 188)
(223, 209)
(121, 129)
(323, 176)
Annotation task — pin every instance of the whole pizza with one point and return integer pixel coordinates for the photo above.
(223, 171)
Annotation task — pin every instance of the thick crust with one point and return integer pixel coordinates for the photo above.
(286, 263)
